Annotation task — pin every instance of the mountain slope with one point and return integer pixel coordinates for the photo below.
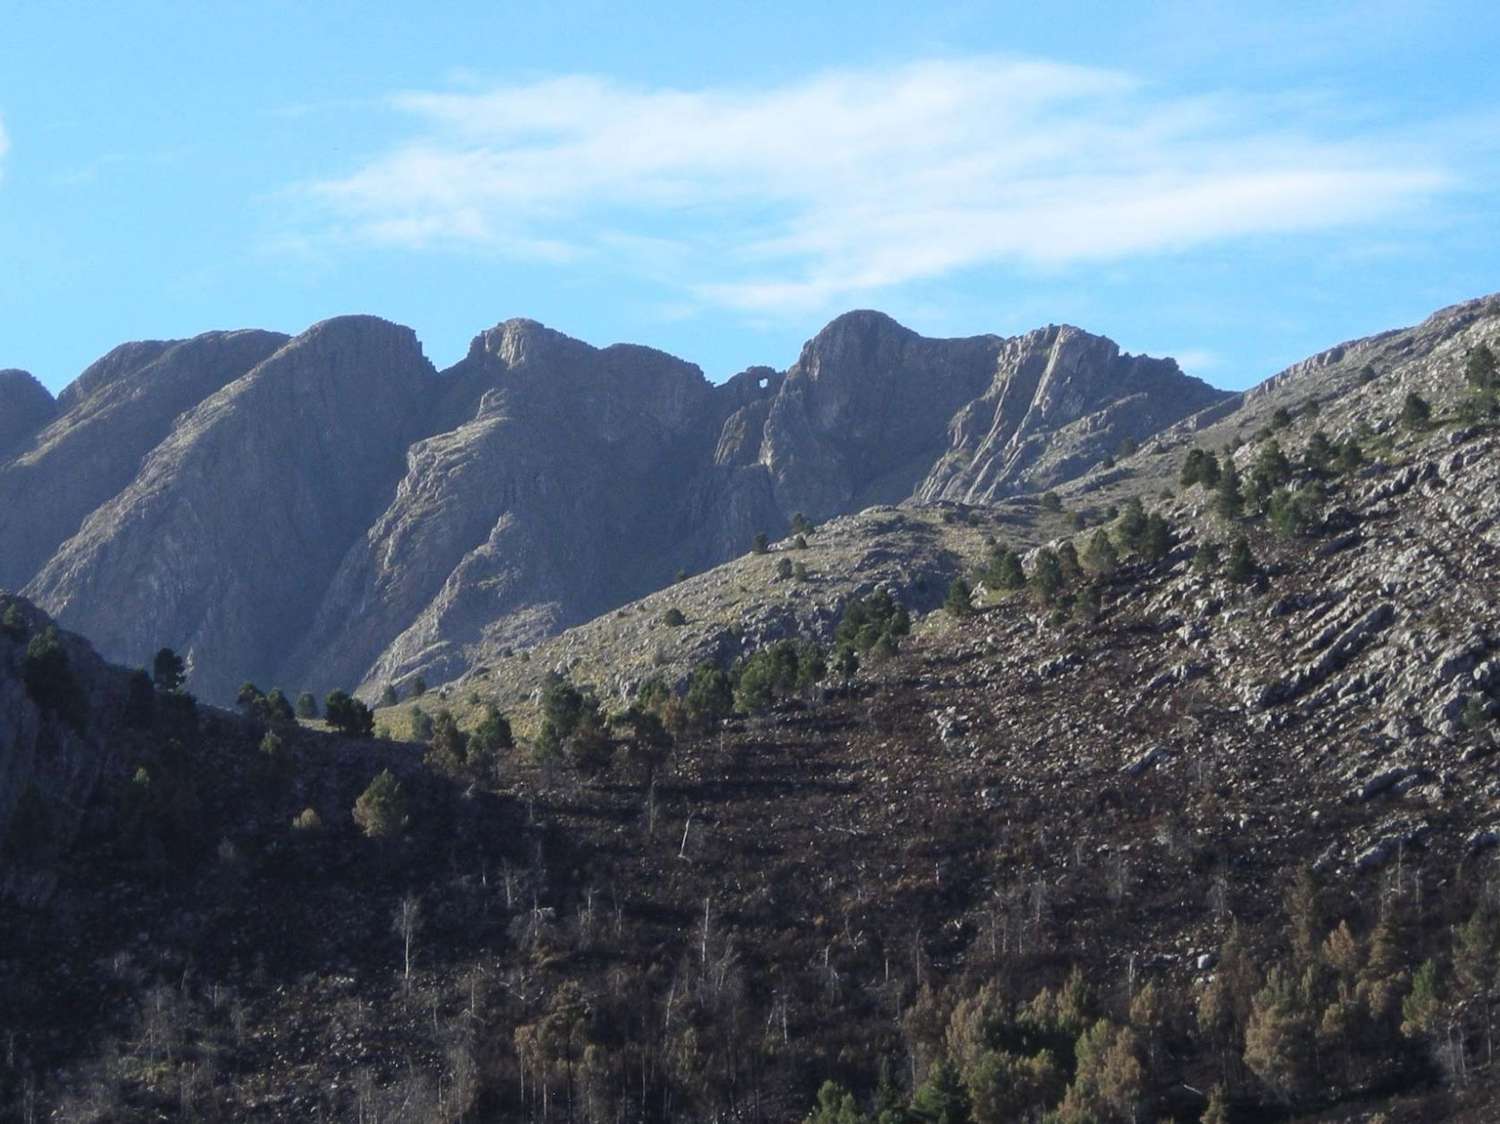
(544, 481)
(105, 424)
(864, 879)
(236, 521)
(25, 406)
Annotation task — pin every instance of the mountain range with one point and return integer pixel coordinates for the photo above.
(328, 510)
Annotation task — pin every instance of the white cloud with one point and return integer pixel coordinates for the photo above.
(1196, 360)
(849, 182)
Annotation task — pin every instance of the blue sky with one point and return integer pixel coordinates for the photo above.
(1237, 185)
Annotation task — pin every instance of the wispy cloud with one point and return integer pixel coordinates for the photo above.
(1196, 360)
(854, 181)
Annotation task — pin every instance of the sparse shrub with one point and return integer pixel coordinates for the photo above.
(1272, 469)
(774, 672)
(1004, 570)
(1156, 543)
(1278, 1037)
(1294, 513)
(307, 820)
(799, 571)
(418, 687)
(380, 810)
(1320, 453)
(493, 733)
(1480, 368)
(1240, 566)
(421, 725)
(959, 602)
(13, 623)
(1067, 558)
(835, 1106)
(868, 620)
(801, 525)
(389, 696)
(307, 705)
(1281, 418)
(572, 727)
(1416, 414)
(1200, 467)
(845, 663)
(1051, 502)
(1229, 501)
(710, 696)
(784, 568)
(1207, 558)
(800, 542)
(1046, 578)
(348, 715)
(167, 671)
(760, 544)
(448, 746)
(1351, 456)
(50, 681)
(673, 617)
(278, 708)
(1100, 557)
(248, 696)
(1130, 529)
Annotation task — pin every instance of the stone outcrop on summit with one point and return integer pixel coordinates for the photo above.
(329, 511)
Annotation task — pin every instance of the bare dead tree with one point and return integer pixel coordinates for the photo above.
(407, 924)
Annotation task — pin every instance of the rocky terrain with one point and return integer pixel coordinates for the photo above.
(407, 523)
(1205, 831)
(797, 588)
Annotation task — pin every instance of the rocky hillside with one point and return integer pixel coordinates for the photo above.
(798, 587)
(1177, 838)
(64, 714)
(329, 511)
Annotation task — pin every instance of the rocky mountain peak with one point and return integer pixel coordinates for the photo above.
(25, 407)
(114, 364)
(356, 338)
(521, 342)
(422, 518)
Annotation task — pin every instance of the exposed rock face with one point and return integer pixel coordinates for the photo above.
(539, 509)
(324, 512)
(25, 406)
(223, 542)
(112, 416)
(1061, 401)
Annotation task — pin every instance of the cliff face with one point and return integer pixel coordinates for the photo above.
(1061, 401)
(223, 541)
(535, 510)
(103, 427)
(327, 511)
